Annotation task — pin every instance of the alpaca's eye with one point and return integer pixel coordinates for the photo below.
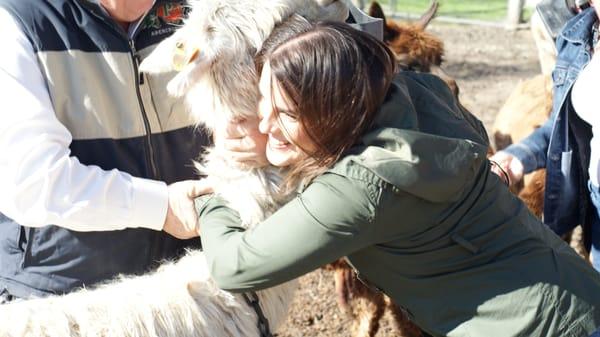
(211, 29)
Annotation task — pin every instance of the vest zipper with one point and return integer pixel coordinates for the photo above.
(156, 247)
(140, 80)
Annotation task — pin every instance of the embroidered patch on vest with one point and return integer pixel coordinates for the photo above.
(165, 18)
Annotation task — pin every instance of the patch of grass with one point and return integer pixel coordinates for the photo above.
(488, 10)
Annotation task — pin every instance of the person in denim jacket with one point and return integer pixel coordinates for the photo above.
(562, 144)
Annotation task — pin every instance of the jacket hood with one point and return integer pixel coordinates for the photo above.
(419, 143)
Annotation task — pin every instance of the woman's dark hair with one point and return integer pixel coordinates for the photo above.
(334, 79)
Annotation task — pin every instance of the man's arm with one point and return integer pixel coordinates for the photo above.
(41, 183)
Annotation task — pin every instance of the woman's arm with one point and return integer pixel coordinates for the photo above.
(332, 218)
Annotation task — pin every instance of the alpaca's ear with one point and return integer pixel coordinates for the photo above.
(171, 54)
(376, 11)
(175, 54)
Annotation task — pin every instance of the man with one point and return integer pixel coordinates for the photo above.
(96, 158)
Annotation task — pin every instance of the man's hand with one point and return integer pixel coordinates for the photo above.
(510, 164)
(182, 219)
(243, 143)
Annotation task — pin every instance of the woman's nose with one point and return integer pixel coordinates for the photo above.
(266, 121)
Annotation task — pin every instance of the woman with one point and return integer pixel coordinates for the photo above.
(394, 176)
(565, 145)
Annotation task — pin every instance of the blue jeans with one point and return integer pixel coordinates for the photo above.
(595, 231)
(596, 334)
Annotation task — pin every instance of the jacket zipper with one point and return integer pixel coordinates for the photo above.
(139, 79)
(155, 247)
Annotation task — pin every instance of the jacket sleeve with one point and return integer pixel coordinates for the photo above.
(330, 219)
(41, 183)
(532, 151)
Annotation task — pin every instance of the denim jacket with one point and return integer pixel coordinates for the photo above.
(561, 145)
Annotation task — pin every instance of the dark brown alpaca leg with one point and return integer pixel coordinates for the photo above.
(365, 307)
(368, 308)
(405, 327)
(343, 277)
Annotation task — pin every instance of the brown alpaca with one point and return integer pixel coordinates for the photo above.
(526, 108)
(415, 50)
(366, 306)
(532, 193)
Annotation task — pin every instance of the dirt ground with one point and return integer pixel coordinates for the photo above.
(487, 63)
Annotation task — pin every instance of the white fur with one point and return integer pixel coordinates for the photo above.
(180, 299)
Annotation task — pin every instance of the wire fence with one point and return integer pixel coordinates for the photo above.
(493, 12)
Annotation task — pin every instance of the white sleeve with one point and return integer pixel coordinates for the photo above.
(40, 183)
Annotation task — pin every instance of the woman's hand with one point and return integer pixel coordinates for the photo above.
(243, 143)
(510, 165)
(182, 219)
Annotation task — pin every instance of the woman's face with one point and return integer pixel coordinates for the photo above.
(287, 140)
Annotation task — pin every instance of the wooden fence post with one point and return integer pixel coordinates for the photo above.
(514, 14)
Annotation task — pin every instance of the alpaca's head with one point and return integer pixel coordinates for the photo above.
(214, 52)
(415, 49)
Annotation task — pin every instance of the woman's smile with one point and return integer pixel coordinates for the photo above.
(278, 144)
(286, 135)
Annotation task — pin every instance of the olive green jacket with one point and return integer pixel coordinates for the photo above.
(418, 214)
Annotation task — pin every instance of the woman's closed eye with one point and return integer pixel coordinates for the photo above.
(288, 115)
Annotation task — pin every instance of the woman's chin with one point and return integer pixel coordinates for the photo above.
(278, 161)
(279, 158)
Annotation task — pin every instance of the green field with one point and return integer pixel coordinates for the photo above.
(487, 10)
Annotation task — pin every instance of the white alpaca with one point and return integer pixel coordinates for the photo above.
(215, 52)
